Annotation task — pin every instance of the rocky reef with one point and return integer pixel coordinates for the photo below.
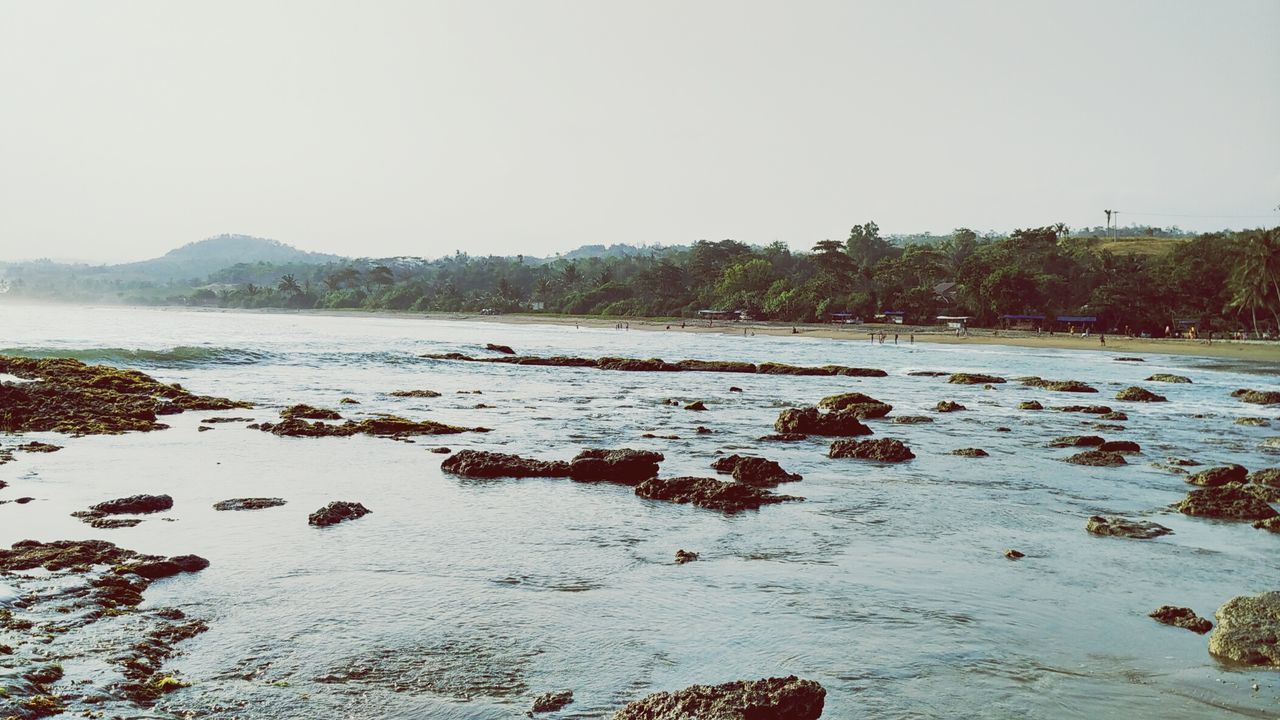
(784, 698)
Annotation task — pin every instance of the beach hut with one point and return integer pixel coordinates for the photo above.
(1076, 323)
(893, 317)
(955, 322)
(845, 318)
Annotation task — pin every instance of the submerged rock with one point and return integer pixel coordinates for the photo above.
(1167, 378)
(788, 698)
(1117, 526)
(696, 405)
(974, 379)
(68, 396)
(154, 569)
(657, 365)
(754, 470)
(382, 426)
(1182, 617)
(552, 701)
(730, 366)
(1214, 477)
(970, 452)
(248, 504)
(336, 512)
(623, 466)
(1097, 458)
(1102, 410)
(809, 421)
(685, 556)
(1137, 394)
(783, 437)
(414, 394)
(886, 450)
(1113, 416)
(928, 373)
(1074, 386)
(862, 406)
(485, 464)
(1129, 359)
(912, 419)
(1226, 502)
(1120, 446)
(39, 447)
(504, 349)
(945, 406)
(1030, 405)
(348, 401)
(309, 412)
(1076, 441)
(1248, 630)
(1253, 422)
(709, 493)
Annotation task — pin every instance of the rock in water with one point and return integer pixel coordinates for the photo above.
(912, 419)
(134, 505)
(862, 406)
(948, 406)
(1077, 441)
(809, 421)
(485, 464)
(970, 452)
(505, 350)
(1167, 378)
(336, 512)
(1182, 617)
(1030, 405)
(788, 698)
(974, 379)
(1258, 397)
(1213, 477)
(729, 497)
(1248, 630)
(1226, 502)
(685, 556)
(1058, 385)
(1137, 394)
(1097, 458)
(881, 450)
(1014, 554)
(1120, 446)
(1122, 527)
(552, 701)
(624, 466)
(696, 405)
(754, 471)
(248, 504)
(309, 412)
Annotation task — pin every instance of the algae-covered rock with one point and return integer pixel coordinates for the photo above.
(974, 379)
(970, 452)
(1248, 630)
(1216, 476)
(886, 450)
(1226, 502)
(862, 406)
(1030, 405)
(809, 421)
(788, 698)
(1097, 458)
(1167, 378)
(1074, 386)
(1182, 617)
(946, 406)
(248, 504)
(308, 412)
(485, 464)
(1120, 446)
(336, 512)
(1117, 526)
(729, 497)
(624, 466)
(754, 470)
(1137, 394)
(1077, 441)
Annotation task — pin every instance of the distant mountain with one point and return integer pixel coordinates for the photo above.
(198, 259)
(601, 251)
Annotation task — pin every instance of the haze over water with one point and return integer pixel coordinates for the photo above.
(460, 598)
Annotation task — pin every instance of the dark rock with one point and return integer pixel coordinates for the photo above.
(1248, 630)
(1014, 554)
(62, 554)
(1003, 429)
(1077, 441)
(552, 701)
(1097, 458)
(1120, 446)
(167, 567)
(485, 464)
(974, 379)
(382, 426)
(1182, 617)
(886, 450)
(1113, 416)
(1226, 502)
(1074, 386)
(1214, 477)
(203, 428)
(944, 406)
(912, 419)
(928, 373)
(783, 437)
(336, 512)
(703, 430)
(504, 349)
(1266, 476)
(624, 466)
(970, 452)
(308, 412)
(1117, 526)
(441, 450)
(809, 421)
(1129, 359)
(1270, 524)
(1167, 378)
(1256, 397)
(696, 405)
(39, 447)
(101, 523)
(862, 406)
(1089, 409)
(414, 394)
(1253, 422)
(348, 401)
(248, 503)
(134, 505)
(1137, 394)
(731, 366)
(754, 470)
(1030, 405)
(734, 388)
(709, 493)
(788, 698)
(685, 556)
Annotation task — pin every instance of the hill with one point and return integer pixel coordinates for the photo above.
(200, 258)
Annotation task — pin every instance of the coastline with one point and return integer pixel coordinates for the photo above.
(1249, 350)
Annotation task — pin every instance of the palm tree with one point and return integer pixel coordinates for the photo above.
(570, 275)
(1255, 279)
(289, 285)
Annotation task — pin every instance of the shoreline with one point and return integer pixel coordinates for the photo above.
(1247, 350)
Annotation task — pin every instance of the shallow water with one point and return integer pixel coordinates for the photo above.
(459, 598)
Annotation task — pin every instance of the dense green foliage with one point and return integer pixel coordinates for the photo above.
(1218, 280)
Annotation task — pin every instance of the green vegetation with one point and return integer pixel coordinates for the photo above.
(1143, 281)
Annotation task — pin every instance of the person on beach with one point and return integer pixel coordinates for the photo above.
(895, 338)
(1102, 338)
(913, 338)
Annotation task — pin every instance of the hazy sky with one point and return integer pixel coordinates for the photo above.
(380, 128)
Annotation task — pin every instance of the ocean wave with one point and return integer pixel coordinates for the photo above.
(181, 356)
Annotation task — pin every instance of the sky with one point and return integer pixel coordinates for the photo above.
(520, 126)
